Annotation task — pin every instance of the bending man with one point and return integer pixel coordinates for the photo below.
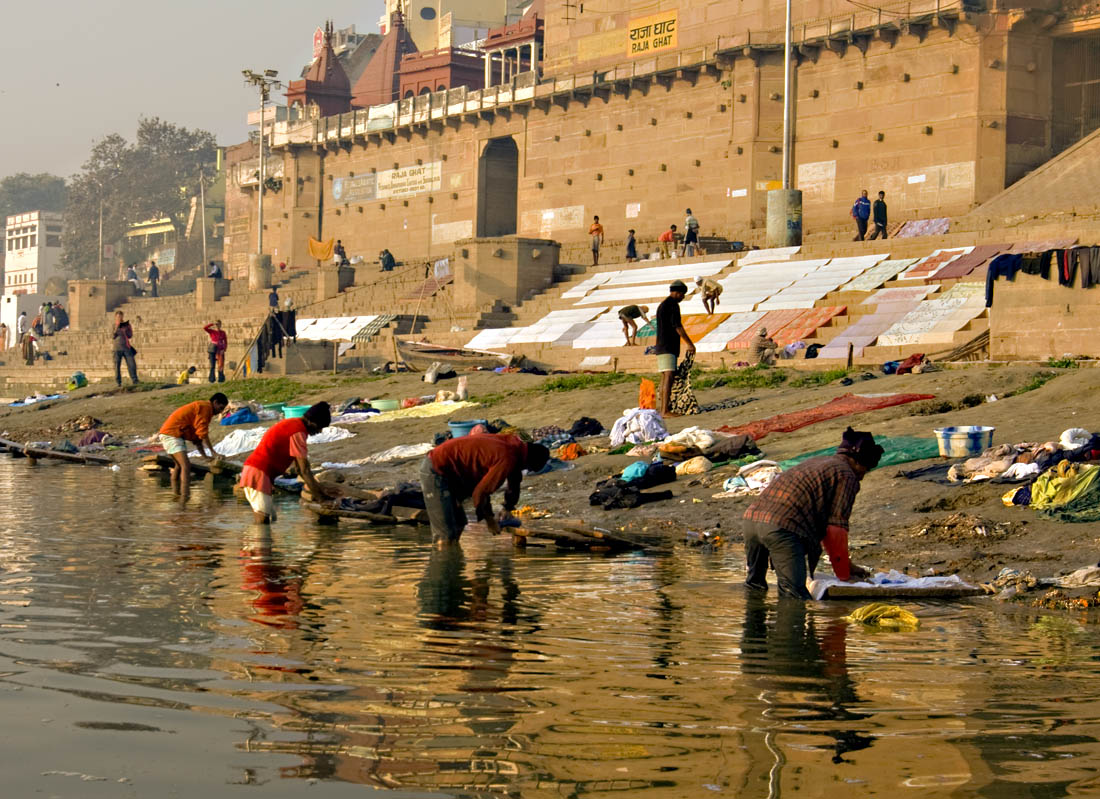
(474, 467)
(189, 423)
(803, 509)
(628, 316)
(282, 445)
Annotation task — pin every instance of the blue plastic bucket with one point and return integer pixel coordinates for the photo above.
(460, 429)
(965, 441)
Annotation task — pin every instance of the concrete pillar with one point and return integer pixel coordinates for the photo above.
(90, 300)
(784, 218)
(208, 290)
(259, 272)
(488, 69)
(328, 282)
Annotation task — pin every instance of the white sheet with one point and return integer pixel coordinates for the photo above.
(717, 339)
(764, 256)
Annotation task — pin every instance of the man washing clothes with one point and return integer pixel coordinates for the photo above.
(670, 332)
(474, 466)
(805, 509)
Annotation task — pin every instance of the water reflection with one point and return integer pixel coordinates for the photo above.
(357, 657)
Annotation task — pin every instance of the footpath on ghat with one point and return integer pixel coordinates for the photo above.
(689, 479)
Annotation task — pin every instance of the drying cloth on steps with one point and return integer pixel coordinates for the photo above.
(901, 449)
(820, 586)
(841, 406)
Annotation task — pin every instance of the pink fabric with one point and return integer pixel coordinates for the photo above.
(251, 477)
(841, 406)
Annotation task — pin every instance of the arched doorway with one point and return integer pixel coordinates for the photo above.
(498, 188)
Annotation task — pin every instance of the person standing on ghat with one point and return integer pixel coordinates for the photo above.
(861, 212)
(595, 230)
(878, 214)
(631, 247)
(670, 331)
(691, 234)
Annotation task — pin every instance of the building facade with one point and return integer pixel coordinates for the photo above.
(32, 251)
(635, 114)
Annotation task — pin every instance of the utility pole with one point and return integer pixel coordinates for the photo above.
(787, 102)
(265, 81)
(202, 215)
(101, 232)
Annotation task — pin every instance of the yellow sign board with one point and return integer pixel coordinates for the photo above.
(652, 33)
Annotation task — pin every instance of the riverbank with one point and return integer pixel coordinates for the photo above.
(897, 522)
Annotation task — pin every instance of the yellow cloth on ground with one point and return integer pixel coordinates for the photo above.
(1063, 483)
(321, 250)
(883, 615)
(421, 411)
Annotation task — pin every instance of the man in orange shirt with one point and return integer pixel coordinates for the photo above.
(595, 230)
(190, 423)
(667, 241)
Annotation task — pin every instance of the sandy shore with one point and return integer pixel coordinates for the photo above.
(890, 513)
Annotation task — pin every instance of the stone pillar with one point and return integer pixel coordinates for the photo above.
(488, 69)
(784, 218)
(208, 290)
(90, 300)
(328, 282)
(259, 272)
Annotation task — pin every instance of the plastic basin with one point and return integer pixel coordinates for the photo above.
(965, 441)
(295, 411)
(275, 406)
(460, 429)
(386, 404)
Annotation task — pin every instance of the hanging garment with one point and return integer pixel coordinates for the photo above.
(682, 399)
(1004, 266)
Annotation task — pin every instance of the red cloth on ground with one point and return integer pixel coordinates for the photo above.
(906, 366)
(841, 406)
(278, 449)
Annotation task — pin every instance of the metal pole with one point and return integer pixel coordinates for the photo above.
(260, 188)
(202, 215)
(101, 233)
(787, 102)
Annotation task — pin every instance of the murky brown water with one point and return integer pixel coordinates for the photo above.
(147, 651)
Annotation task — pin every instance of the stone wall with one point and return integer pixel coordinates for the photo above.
(1036, 319)
(939, 117)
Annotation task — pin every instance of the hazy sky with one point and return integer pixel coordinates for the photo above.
(76, 70)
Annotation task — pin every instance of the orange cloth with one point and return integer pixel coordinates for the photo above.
(190, 422)
(321, 250)
(570, 452)
(647, 394)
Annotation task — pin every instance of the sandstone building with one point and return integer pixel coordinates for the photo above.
(633, 111)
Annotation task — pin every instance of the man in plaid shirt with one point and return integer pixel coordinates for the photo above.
(804, 509)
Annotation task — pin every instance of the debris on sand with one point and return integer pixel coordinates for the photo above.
(962, 527)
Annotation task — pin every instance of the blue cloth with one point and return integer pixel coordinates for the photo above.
(862, 208)
(1003, 265)
(635, 471)
(243, 416)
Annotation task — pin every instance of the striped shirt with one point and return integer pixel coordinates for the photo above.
(811, 496)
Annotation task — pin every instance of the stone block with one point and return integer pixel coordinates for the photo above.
(208, 290)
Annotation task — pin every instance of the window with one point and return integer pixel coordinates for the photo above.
(53, 241)
(34, 240)
(427, 12)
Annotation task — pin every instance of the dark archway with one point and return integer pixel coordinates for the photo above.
(498, 188)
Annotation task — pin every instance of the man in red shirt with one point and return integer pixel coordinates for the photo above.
(219, 343)
(474, 466)
(667, 241)
(283, 444)
(189, 423)
(804, 508)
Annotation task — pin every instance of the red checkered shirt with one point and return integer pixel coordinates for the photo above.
(811, 496)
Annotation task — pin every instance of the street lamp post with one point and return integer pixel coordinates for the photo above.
(784, 219)
(265, 81)
(202, 213)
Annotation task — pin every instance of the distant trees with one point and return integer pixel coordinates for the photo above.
(25, 192)
(153, 178)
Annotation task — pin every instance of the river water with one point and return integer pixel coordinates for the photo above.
(153, 651)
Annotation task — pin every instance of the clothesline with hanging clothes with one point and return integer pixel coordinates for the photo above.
(1066, 262)
(255, 355)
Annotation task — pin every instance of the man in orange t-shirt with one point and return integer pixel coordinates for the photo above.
(189, 423)
(667, 241)
(595, 230)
